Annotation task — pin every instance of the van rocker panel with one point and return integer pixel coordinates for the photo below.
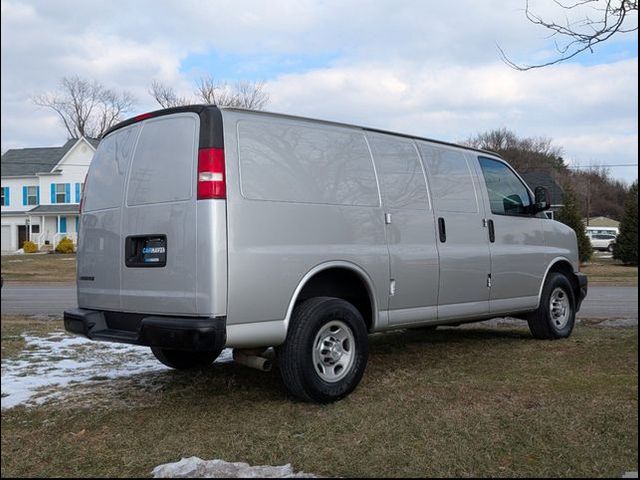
(178, 333)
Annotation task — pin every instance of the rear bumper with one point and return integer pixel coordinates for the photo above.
(583, 288)
(178, 333)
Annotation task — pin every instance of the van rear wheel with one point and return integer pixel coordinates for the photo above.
(326, 351)
(184, 360)
(556, 315)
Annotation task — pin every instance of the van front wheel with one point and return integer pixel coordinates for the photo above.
(326, 351)
(556, 315)
(184, 360)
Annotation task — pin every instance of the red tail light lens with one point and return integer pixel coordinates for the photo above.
(211, 175)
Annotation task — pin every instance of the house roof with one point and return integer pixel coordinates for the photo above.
(602, 222)
(541, 178)
(56, 209)
(22, 162)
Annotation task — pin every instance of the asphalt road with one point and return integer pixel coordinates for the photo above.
(53, 299)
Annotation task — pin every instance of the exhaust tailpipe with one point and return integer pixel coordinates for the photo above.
(252, 359)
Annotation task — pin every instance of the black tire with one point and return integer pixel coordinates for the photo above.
(543, 322)
(296, 356)
(184, 360)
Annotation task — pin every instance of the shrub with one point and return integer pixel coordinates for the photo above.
(29, 247)
(626, 246)
(570, 215)
(65, 246)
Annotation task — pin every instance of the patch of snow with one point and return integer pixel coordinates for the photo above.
(194, 467)
(618, 323)
(49, 364)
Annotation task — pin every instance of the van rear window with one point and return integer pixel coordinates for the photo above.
(108, 171)
(164, 161)
(293, 163)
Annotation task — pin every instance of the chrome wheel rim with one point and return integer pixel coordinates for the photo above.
(559, 308)
(334, 351)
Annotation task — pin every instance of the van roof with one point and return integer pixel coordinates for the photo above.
(200, 107)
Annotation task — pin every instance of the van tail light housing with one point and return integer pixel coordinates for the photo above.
(211, 174)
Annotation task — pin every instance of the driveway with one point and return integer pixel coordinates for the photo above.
(54, 298)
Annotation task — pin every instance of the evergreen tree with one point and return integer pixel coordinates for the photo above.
(569, 214)
(626, 246)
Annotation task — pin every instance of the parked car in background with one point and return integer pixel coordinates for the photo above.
(603, 241)
(203, 228)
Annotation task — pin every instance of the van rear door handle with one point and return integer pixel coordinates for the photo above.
(442, 230)
(492, 231)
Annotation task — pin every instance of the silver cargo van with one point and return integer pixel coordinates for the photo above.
(206, 227)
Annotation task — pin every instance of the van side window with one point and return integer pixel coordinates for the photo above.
(507, 194)
(402, 181)
(450, 179)
(288, 162)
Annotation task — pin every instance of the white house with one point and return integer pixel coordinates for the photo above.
(41, 190)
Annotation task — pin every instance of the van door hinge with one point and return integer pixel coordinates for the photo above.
(484, 222)
(387, 218)
(488, 280)
(392, 288)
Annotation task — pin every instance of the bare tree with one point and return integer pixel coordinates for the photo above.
(86, 108)
(601, 20)
(166, 96)
(243, 94)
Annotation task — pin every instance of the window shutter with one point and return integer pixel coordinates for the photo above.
(38, 195)
(77, 193)
(24, 195)
(53, 193)
(63, 225)
(7, 197)
(67, 193)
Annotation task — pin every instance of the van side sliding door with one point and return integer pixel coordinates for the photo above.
(410, 230)
(463, 245)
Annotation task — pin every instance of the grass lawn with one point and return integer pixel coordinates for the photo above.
(54, 267)
(470, 401)
(608, 272)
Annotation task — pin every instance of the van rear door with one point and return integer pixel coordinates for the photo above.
(140, 228)
(159, 219)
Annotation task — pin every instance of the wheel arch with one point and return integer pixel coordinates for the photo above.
(316, 283)
(564, 266)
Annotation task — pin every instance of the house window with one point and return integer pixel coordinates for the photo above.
(5, 196)
(35, 228)
(61, 193)
(32, 195)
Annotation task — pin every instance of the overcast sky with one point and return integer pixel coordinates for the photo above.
(422, 67)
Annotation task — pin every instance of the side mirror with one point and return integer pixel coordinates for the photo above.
(542, 200)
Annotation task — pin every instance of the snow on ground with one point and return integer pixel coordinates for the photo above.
(49, 364)
(194, 467)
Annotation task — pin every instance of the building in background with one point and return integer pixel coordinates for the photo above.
(601, 225)
(41, 191)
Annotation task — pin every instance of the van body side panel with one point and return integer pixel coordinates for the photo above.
(411, 234)
(464, 254)
(561, 243)
(310, 197)
(211, 266)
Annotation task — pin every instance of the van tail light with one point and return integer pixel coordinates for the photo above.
(211, 179)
